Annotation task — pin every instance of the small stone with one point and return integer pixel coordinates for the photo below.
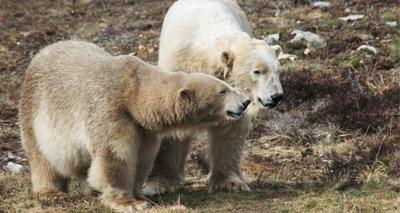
(11, 156)
(391, 23)
(141, 47)
(178, 207)
(368, 47)
(347, 10)
(15, 168)
(151, 50)
(272, 39)
(311, 40)
(284, 56)
(351, 17)
(266, 145)
(321, 4)
(366, 37)
(308, 51)
(298, 22)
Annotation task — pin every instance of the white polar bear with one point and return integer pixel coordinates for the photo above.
(214, 37)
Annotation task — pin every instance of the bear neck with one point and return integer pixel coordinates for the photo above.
(154, 101)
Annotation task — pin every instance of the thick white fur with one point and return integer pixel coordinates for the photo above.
(214, 37)
(196, 32)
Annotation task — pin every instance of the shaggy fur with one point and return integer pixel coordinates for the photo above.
(100, 118)
(214, 37)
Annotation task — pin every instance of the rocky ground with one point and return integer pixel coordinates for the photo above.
(332, 145)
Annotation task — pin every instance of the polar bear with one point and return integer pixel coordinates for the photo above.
(214, 37)
(100, 118)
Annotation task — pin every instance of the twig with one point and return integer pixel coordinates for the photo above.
(104, 6)
(376, 158)
(276, 6)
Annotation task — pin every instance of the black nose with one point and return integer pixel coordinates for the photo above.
(276, 98)
(246, 103)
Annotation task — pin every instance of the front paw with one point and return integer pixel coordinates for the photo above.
(228, 186)
(123, 202)
(129, 207)
(154, 188)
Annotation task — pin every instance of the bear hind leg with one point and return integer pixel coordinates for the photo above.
(46, 180)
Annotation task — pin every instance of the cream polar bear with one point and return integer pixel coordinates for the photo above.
(100, 118)
(214, 37)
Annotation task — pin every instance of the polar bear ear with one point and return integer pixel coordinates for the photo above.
(186, 94)
(227, 58)
(277, 49)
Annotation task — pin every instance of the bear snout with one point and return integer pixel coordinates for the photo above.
(239, 110)
(245, 104)
(276, 98)
(272, 101)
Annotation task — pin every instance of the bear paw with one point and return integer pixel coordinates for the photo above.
(128, 207)
(228, 186)
(154, 188)
(122, 201)
(51, 197)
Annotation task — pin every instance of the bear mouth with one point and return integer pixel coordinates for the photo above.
(267, 105)
(234, 115)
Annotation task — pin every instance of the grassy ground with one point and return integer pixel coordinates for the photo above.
(332, 145)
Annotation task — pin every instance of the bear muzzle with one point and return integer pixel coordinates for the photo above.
(272, 101)
(240, 110)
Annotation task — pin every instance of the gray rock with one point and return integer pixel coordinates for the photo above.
(11, 156)
(321, 4)
(366, 37)
(351, 17)
(391, 23)
(311, 40)
(284, 56)
(15, 168)
(272, 39)
(368, 47)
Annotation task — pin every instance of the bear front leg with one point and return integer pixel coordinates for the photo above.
(147, 154)
(112, 171)
(225, 155)
(168, 173)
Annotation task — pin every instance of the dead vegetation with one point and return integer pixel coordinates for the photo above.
(331, 145)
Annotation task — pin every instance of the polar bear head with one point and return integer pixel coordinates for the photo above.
(253, 66)
(213, 98)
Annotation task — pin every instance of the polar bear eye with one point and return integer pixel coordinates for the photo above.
(222, 92)
(257, 72)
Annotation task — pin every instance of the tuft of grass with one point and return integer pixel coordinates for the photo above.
(389, 15)
(356, 63)
(299, 53)
(396, 55)
(329, 22)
